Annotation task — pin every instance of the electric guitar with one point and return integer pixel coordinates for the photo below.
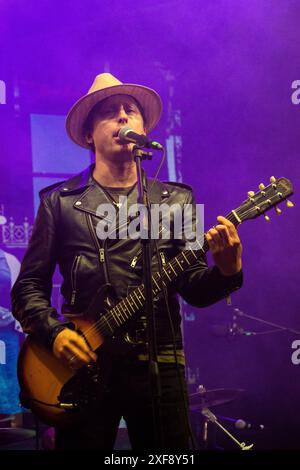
(57, 394)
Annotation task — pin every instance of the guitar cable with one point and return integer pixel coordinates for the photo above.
(53, 405)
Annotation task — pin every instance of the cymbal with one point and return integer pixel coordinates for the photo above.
(208, 398)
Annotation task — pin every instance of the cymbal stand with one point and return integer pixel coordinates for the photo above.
(209, 416)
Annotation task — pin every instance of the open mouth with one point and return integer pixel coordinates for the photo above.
(116, 134)
(117, 139)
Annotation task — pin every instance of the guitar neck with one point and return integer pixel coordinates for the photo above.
(135, 301)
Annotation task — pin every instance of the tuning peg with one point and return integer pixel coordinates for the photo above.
(289, 203)
(278, 211)
(261, 186)
(250, 193)
(273, 179)
(267, 218)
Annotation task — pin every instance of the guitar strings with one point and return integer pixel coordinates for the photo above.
(94, 329)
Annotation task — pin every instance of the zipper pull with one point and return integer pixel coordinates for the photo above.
(73, 297)
(133, 262)
(163, 259)
(101, 255)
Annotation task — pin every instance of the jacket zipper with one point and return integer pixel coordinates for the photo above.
(101, 250)
(139, 254)
(162, 257)
(135, 259)
(73, 278)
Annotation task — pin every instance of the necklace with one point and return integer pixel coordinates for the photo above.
(118, 192)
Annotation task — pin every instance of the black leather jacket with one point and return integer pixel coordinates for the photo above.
(65, 234)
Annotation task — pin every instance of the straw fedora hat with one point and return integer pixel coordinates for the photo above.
(106, 85)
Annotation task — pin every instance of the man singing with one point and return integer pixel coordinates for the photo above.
(65, 233)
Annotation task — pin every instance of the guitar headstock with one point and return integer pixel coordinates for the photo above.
(263, 200)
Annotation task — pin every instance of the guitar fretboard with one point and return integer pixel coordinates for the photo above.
(135, 301)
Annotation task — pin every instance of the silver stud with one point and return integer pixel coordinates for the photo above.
(78, 203)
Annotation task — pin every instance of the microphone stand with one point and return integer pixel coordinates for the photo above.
(145, 230)
(209, 416)
(277, 327)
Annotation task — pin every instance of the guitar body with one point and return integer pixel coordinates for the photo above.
(54, 392)
(45, 381)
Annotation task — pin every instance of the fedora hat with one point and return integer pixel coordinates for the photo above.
(104, 86)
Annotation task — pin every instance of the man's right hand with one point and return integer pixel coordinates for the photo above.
(72, 349)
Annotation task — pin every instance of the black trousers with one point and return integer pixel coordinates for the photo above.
(128, 396)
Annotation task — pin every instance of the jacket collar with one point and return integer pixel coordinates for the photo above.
(90, 195)
(79, 182)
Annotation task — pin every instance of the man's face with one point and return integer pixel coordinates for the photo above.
(109, 117)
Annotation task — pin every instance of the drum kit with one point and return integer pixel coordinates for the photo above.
(203, 400)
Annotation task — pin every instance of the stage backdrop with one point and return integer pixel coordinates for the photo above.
(229, 76)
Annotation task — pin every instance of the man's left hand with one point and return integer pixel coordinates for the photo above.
(225, 246)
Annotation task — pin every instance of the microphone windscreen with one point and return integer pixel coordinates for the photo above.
(123, 131)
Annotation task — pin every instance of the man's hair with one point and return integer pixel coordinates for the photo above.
(88, 125)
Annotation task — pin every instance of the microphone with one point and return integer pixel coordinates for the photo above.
(231, 330)
(241, 424)
(128, 135)
(221, 329)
